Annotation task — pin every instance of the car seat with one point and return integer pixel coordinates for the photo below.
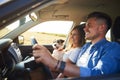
(116, 30)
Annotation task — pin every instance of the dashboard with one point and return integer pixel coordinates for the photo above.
(12, 64)
(10, 55)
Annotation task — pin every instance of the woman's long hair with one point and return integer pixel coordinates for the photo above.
(81, 32)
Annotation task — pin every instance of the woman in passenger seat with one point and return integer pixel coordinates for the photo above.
(76, 41)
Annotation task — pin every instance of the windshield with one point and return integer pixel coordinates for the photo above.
(13, 26)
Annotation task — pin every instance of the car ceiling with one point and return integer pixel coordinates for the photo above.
(77, 10)
(73, 10)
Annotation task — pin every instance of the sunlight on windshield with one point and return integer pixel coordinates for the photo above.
(13, 26)
(8, 28)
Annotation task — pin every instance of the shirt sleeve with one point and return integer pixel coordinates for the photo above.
(85, 72)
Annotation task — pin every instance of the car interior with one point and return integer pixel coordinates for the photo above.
(16, 60)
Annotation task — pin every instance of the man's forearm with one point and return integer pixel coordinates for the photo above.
(71, 70)
(68, 69)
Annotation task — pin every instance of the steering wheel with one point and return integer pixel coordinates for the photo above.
(23, 68)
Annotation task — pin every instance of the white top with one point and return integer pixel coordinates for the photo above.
(83, 60)
(72, 54)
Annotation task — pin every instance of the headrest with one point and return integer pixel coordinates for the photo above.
(116, 29)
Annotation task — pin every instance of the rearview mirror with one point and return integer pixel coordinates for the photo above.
(33, 16)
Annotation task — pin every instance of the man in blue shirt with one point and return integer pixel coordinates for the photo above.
(96, 57)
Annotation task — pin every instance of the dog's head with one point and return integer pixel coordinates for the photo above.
(58, 44)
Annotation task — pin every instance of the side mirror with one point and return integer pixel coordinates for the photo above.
(21, 39)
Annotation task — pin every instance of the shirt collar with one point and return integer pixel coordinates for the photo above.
(100, 43)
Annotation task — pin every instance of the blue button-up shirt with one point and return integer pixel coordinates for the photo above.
(104, 58)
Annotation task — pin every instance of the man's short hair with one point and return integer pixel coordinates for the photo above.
(101, 15)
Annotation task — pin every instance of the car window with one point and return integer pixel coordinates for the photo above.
(47, 32)
(108, 35)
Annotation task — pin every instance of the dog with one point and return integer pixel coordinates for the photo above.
(58, 47)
